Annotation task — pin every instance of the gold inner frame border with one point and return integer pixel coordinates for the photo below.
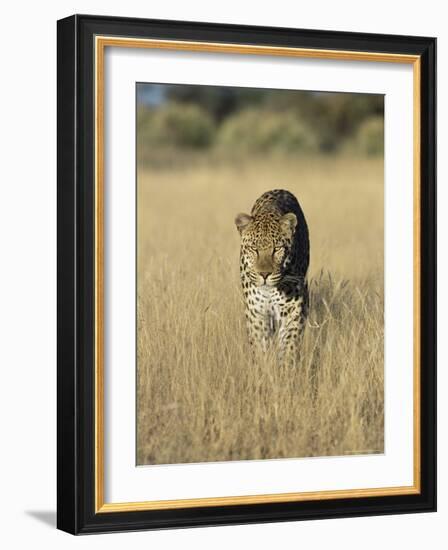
(100, 44)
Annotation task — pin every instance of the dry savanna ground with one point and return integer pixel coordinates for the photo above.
(200, 397)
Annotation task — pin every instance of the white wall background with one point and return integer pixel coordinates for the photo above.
(28, 272)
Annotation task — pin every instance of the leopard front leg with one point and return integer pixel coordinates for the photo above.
(260, 323)
(290, 334)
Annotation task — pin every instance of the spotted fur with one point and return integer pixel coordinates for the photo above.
(274, 261)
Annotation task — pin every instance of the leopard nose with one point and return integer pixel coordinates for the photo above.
(265, 274)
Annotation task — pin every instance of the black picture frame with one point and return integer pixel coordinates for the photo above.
(76, 254)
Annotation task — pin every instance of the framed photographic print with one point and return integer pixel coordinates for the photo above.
(246, 274)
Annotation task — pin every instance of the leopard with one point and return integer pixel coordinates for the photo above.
(274, 261)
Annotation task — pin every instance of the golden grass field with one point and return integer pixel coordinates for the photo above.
(200, 397)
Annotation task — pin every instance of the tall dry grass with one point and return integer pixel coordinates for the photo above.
(200, 397)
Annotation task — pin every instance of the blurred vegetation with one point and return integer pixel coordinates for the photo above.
(269, 131)
(184, 119)
(175, 124)
(369, 137)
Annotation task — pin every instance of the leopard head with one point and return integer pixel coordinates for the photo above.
(266, 245)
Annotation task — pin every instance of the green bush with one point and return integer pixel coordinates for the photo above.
(261, 131)
(175, 125)
(369, 138)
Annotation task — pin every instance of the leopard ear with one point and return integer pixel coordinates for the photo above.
(242, 221)
(288, 222)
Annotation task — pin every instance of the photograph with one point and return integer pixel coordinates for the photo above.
(260, 273)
